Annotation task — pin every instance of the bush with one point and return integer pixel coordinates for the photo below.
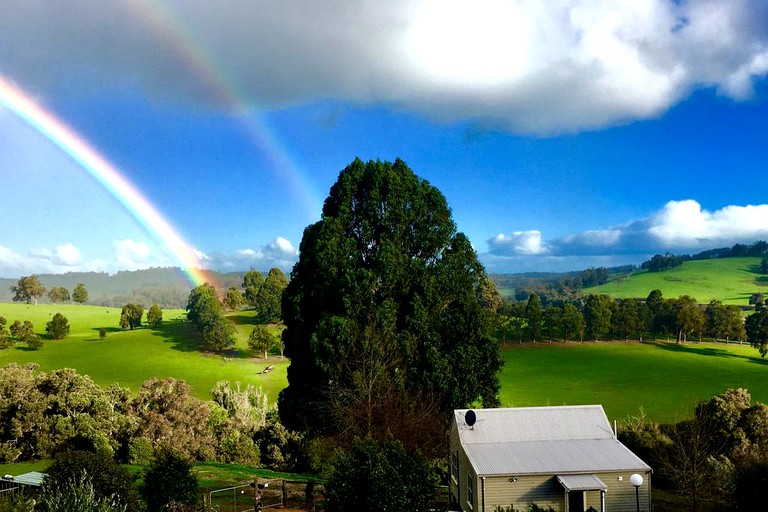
(169, 481)
(374, 477)
(140, 451)
(110, 482)
(77, 494)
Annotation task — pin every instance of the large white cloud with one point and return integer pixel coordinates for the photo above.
(679, 227)
(278, 253)
(527, 66)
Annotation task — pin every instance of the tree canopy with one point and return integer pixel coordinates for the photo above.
(80, 294)
(385, 296)
(27, 289)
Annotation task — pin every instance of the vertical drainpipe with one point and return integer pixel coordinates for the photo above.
(483, 484)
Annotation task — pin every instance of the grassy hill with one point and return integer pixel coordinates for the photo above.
(731, 280)
(131, 357)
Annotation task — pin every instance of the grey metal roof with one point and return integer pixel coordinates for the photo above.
(516, 424)
(544, 440)
(33, 478)
(581, 483)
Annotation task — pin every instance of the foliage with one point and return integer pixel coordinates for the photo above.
(268, 297)
(171, 418)
(374, 476)
(58, 327)
(205, 311)
(385, 264)
(756, 327)
(689, 318)
(77, 494)
(234, 298)
(42, 412)
(280, 448)
(58, 294)
(27, 289)
(102, 333)
(533, 316)
(16, 502)
(247, 408)
(154, 316)
(25, 333)
(597, 316)
(169, 479)
(80, 294)
(660, 262)
(252, 281)
(110, 480)
(261, 339)
(5, 337)
(130, 316)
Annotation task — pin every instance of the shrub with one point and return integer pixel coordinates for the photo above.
(169, 480)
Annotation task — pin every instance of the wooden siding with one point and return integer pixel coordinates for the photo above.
(543, 490)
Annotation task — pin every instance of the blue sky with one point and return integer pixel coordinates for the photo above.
(564, 134)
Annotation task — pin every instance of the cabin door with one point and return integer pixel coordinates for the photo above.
(576, 501)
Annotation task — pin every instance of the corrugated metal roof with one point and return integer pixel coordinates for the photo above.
(517, 424)
(33, 478)
(543, 440)
(581, 483)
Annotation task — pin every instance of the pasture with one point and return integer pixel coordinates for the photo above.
(131, 357)
(731, 280)
(664, 379)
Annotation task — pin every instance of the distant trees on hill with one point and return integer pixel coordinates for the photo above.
(80, 294)
(759, 248)
(27, 289)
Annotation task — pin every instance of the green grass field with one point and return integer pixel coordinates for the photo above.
(731, 280)
(665, 379)
(131, 357)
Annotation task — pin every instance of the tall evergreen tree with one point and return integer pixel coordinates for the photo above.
(385, 293)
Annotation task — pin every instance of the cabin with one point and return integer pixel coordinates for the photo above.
(567, 458)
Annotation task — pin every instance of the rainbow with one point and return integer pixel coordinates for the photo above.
(107, 175)
(224, 90)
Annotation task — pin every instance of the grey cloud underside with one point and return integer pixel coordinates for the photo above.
(576, 65)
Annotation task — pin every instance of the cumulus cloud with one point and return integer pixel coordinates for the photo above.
(526, 66)
(278, 253)
(679, 227)
(519, 242)
(132, 255)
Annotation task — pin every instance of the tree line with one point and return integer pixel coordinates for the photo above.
(29, 289)
(600, 317)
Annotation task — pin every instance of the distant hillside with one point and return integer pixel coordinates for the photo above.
(730, 279)
(168, 287)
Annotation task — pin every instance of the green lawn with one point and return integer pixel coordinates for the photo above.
(731, 280)
(131, 357)
(665, 379)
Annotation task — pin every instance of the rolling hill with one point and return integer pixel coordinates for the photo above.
(731, 280)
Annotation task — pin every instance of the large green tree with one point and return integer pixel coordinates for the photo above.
(385, 299)
(757, 329)
(597, 316)
(269, 296)
(533, 317)
(252, 281)
(27, 289)
(58, 294)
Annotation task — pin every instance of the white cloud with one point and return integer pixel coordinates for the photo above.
(278, 253)
(131, 255)
(679, 227)
(519, 242)
(68, 255)
(527, 66)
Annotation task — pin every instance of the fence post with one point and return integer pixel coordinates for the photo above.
(284, 494)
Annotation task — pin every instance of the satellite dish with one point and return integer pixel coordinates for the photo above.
(470, 417)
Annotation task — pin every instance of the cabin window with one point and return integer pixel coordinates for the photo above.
(470, 491)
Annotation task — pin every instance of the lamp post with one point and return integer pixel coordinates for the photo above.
(637, 481)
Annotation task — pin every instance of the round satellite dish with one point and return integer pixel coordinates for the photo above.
(470, 417)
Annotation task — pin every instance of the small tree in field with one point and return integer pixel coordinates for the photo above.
(169, 481)
(130, 316)
(102, 333)
(58, 327)
(154, 316)
(80, 294)
(261, 339)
